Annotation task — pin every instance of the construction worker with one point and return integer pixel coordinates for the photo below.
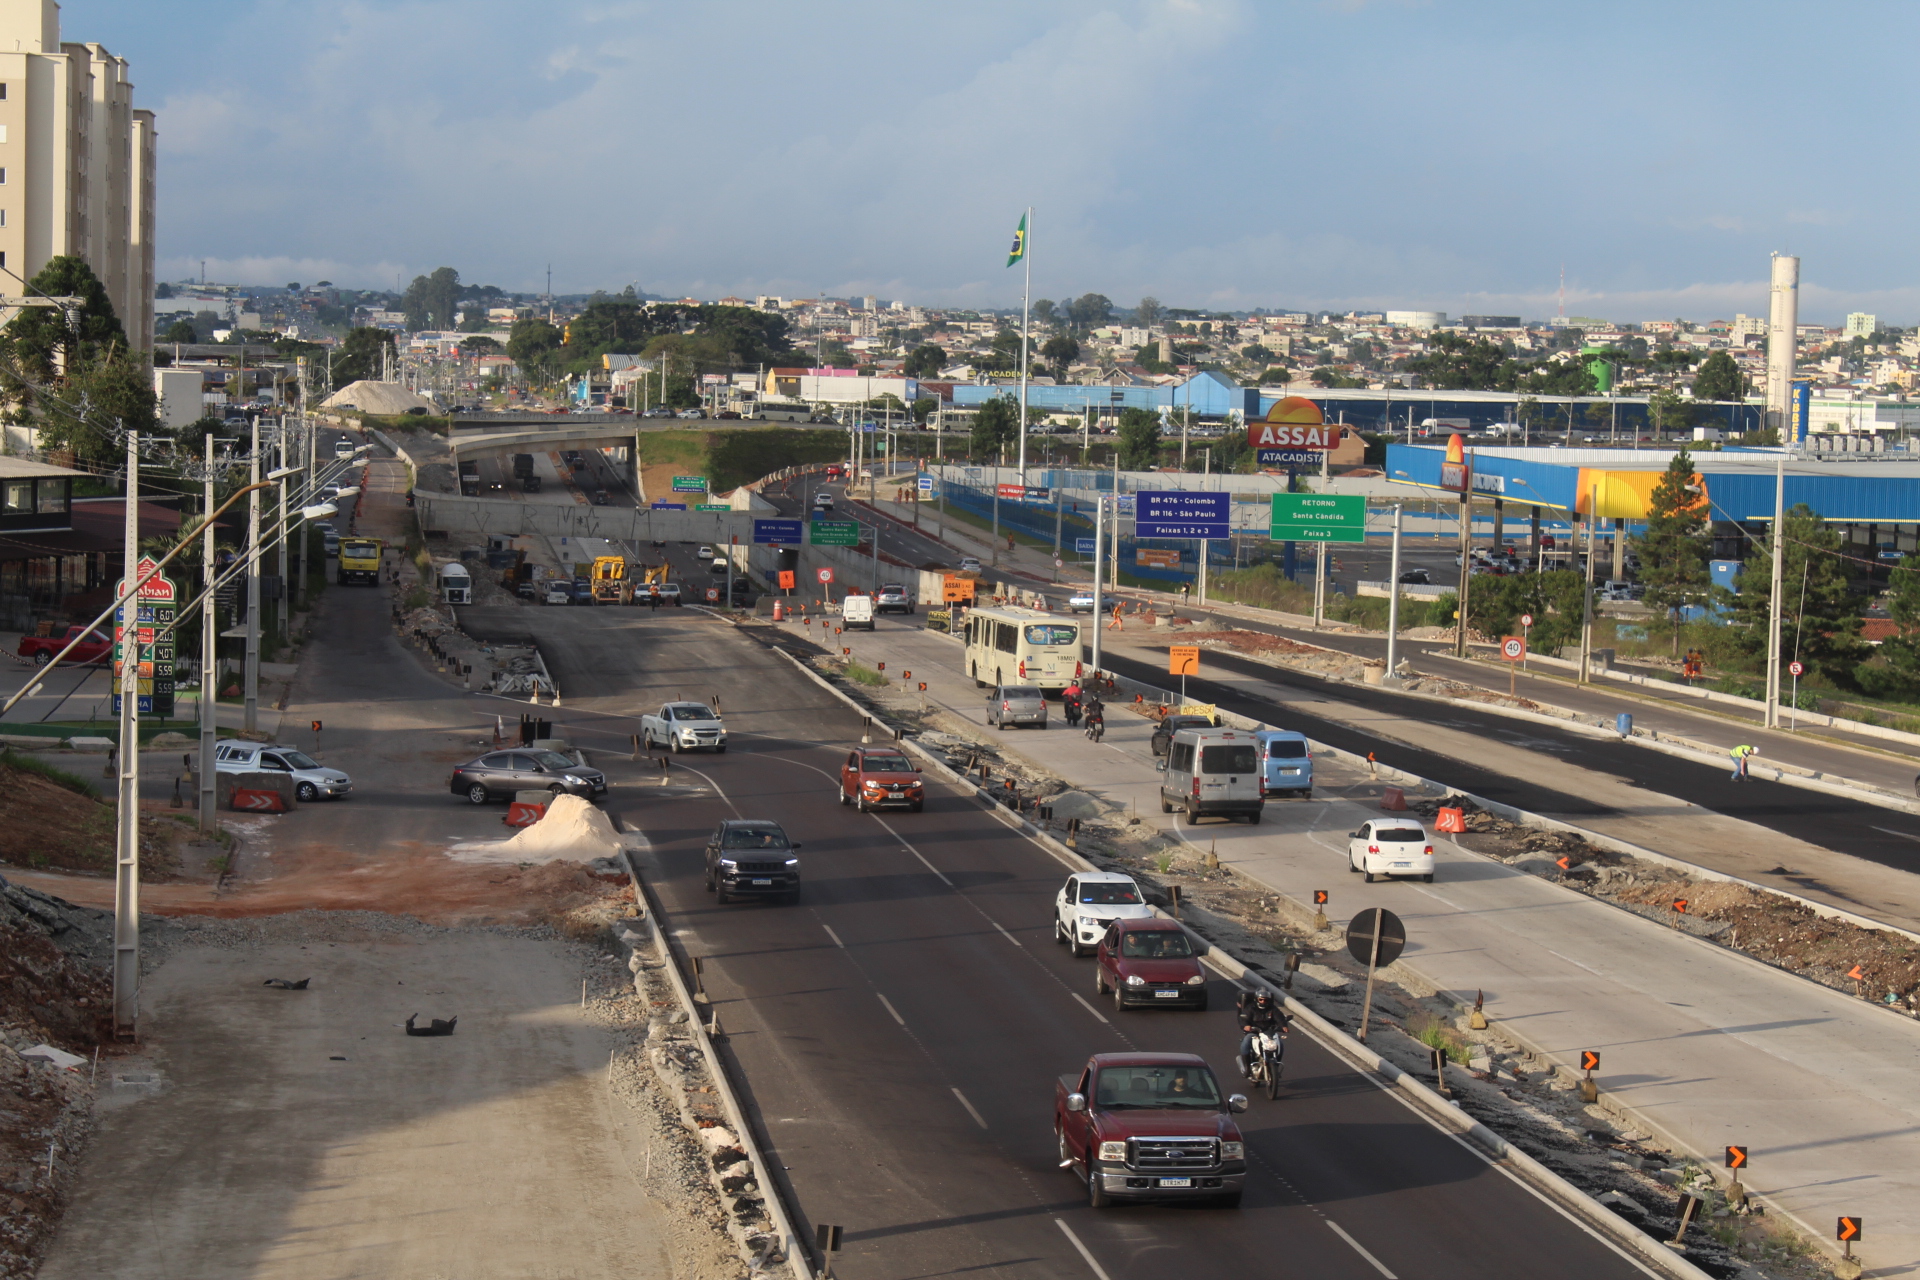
(1741, 754)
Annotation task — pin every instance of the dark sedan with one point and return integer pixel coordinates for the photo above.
(752, 858)
(1164, 731)
(498, 774)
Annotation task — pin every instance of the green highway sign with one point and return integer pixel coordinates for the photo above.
(1319, 517)
(711, 506)
(833, 533)
(689, 484)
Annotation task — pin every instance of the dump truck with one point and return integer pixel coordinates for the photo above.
(470, 479)
(524, 473)
(360, 560)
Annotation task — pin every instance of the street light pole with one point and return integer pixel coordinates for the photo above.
(209, 650)
(126, 869)
(1775, 599)
(252, 675)
(1393, 594)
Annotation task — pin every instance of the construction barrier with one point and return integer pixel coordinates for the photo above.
(1393, 799)
(254, 792)
(1453, 820)
(528, 807)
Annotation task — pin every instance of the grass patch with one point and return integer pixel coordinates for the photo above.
(1435, 1034)
(859, 673)
(59, 777)
(1163, 863)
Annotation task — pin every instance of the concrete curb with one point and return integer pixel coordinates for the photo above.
(791, 1244)
(1443, 1114)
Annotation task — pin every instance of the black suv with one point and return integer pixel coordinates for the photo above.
(501, 773)
(1164, 731)
(752, 858)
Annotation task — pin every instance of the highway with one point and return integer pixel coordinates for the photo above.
(900, 1031)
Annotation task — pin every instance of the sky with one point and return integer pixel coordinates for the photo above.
(1454, 155)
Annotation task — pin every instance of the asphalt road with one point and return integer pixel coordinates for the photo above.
(1886, 836)
(900, 1031)
(795, 500)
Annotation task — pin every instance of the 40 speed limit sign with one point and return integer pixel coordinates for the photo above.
(1513, 648)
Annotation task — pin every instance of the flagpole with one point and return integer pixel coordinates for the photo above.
(1026, 294)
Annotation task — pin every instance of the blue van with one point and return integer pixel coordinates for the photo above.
(1286, 763)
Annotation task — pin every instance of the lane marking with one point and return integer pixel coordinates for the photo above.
(977, 1118)
(1009, 937)
(717, 788)
(890, 1009)
(1085, 1253)
(1570, 960)
(1087, 1006)
(1904, 835)
(1359, 1249)
(834, 936)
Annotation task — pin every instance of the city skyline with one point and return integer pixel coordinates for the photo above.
(1212, 153)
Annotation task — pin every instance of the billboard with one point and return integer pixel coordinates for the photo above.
(1294, 425)
(1456, 471)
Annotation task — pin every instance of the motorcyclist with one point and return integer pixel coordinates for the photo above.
(1260, 1012)
(1070, 703)
(1095, 712)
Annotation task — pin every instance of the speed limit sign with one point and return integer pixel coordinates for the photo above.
(1797, 668)
(1513, 648)
(825, 575)
(1526, 619)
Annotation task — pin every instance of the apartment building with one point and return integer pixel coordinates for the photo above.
(76, 164)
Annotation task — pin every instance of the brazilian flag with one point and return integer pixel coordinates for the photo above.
(1019, 249)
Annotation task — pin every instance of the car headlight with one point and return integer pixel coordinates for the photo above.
(575, 779)
(1113, 1151)
(1196, 981)
(1135, 980)
(1233, 1151)
(793, 862)
(729, 864)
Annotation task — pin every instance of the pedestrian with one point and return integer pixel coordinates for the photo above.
(1741, 755)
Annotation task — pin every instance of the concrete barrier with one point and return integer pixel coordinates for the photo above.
(278, 785)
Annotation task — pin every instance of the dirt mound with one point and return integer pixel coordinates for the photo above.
(48, 823)
(377, 397)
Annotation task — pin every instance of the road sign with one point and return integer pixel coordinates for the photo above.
(1513, 648)
(1013, 492)
(956, 590)
(1736, 1157)
(825, 575)
(1850, 1229)
(1157, 557)
(926, 484)
(1084, 547)
(777, 532)
(1526, 619)
(1589, 1060)
(1319, 897)
(786, 579)
(1797, 668)
(1393, 935)
(833, 533)
(316, 726)
(1184, 513)
(669, 506)
(713, 595)
(711, 506)
(1318, 517)
(689, 484)
(1059, 564)
(1183, 660)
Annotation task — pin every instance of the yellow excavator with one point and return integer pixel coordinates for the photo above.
(611, 584)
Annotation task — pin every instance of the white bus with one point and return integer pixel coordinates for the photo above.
(783, 411)
(1014, 646)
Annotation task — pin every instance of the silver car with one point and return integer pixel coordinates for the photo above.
(1016, 704)
(892, 597)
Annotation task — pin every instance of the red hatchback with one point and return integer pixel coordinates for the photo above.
(881, 778)
(1149, 962)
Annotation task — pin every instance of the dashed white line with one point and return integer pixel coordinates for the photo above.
(1085, 1252)
(1010, 938)
(977, 1117)
(1357, 1248)
(890, 1009)
(1904, 835)
(1088, 1007)
(1570, 960)
(834, 936)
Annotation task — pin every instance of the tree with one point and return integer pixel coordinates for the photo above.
(360, 356)
(1139, 438)
(1556, 600)
(1673, 549)
(42, 341)
(180, 331)
(294, 287)
(1257, 354)
(430, 300)
(1089, 311)
(1149, 312)
(163, 290)
(1820, 615)
(995, 426)
(1455, 363)
(924, 361)
(1277, 375)
(1719, 379)
(1043, 311)
(531, 342)
(1894, 671)
(1670, 411)
(94, 404)
(1061, 350)
(480, 344)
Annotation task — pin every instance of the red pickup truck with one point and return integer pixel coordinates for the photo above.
(44, 649)
(1150, 1126)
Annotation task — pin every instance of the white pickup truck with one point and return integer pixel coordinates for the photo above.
(682, 726)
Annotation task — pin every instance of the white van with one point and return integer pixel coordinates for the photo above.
(857, 611)
(1211, 772)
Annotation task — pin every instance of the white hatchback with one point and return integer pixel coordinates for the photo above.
(1089, 902)
(1391, 847)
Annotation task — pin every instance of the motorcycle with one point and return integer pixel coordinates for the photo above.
(1265, 1065)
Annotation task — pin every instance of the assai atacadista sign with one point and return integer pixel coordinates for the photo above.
(1294, 432)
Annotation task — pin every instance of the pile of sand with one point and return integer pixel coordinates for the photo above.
(377, 397)
(572, 831)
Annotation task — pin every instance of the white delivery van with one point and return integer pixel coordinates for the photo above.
(857, 611)
(1211, 772)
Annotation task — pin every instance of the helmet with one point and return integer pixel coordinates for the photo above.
(1265, 997)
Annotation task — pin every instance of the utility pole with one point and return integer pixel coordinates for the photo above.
(126, 869)
(1586, 597)
(284, 613)
(1099, 545)
(252, 676)
(1778, 534)
(1393, 594)
(209, 650)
